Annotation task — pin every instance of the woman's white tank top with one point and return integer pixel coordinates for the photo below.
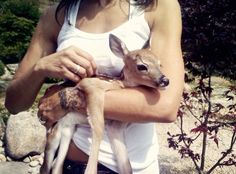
(140, 139)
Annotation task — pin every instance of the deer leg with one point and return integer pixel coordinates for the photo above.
(94, 89)
(95, 107)
(66, 137)
(116, 137)
(53, 140)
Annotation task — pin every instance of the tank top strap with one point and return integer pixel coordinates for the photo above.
(134, 10)
(72, 14)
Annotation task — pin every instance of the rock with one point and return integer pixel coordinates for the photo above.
(35, 157)
(34, 170)
(13, 168)
(24, 135)
(34, 163)
(44, 4)
(40, 160)
(1, 143)
(2, 150)
(3, 86)
(2, 158)
(9, 74)
(9, 159)
(26, 160)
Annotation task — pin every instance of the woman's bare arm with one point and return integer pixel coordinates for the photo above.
(141, 105)
(41, 61)
(27, 81)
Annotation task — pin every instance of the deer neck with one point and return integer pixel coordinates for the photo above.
(127, 78)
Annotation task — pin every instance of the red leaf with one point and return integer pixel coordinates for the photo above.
(215, 139)
(200, 128)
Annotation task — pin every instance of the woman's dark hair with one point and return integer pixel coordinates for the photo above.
(67, 4)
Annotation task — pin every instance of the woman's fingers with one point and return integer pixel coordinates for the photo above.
(86, 67)
(66, 73)
(83, 59)
(74, 68)
(87, 56)
(71, 63)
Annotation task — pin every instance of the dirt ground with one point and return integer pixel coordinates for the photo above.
(170, 160)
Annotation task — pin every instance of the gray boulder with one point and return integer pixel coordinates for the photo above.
(13, 168)
(3, 86)
(24, 135)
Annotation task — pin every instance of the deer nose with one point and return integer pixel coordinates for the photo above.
(164, 81)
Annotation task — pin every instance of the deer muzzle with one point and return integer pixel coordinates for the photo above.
(163, 81)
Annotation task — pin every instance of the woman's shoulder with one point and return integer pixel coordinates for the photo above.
(51, 21)
(161, 9)
(167, 5)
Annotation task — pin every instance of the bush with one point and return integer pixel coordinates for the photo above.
(4, 114)
(17, 23)
(209, 49)
(15, 34)
(2, 68)
(209, 36)
(28, 9)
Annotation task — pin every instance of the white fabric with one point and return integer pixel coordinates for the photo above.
(141, 139)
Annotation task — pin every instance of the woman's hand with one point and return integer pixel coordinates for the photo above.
(71, 63)
(58, 101)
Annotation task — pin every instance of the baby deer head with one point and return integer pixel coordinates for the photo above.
(141, 67)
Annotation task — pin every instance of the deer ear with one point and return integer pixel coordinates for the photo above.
(117, 46)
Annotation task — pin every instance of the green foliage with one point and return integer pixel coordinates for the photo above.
(22, 8)
(209, 36)
(52, 80)
(4, 114)
(15, 34)
(17, 23)
(2, 68)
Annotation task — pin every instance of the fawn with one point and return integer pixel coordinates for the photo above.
(141, 67)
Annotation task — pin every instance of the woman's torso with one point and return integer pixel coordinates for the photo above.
(134, 32)
(140, 139)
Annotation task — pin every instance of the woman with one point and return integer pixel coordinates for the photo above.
(71, 42)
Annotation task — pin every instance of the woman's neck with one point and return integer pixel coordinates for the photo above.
(101, 3)
(104, 3)
(105, 18)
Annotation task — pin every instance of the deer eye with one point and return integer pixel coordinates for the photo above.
(142, 68)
